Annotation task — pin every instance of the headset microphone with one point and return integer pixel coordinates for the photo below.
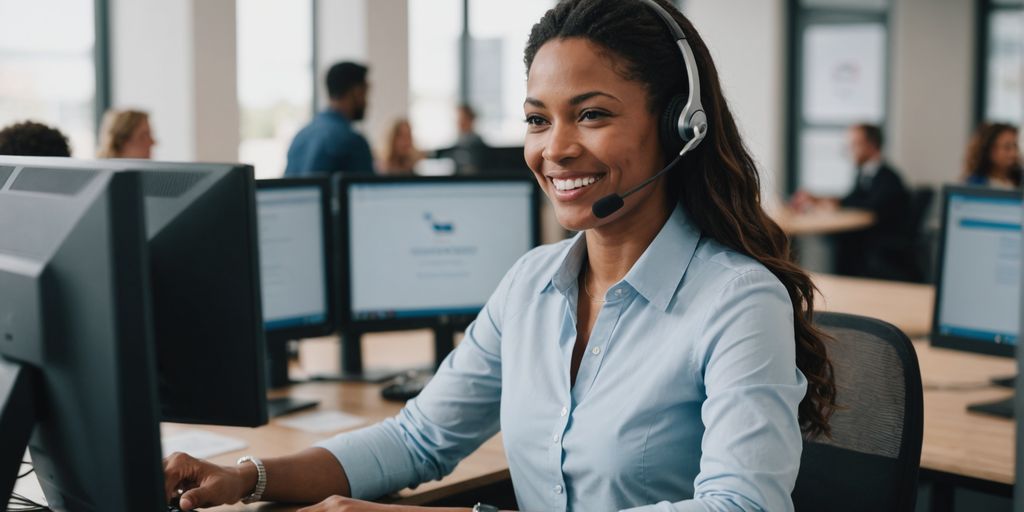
(683, 121)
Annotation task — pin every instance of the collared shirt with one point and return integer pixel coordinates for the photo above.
(867, 172)
(328, 144)
(686, 397)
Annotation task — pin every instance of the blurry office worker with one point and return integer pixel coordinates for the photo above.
(993, 157)
(401, 155)
(879, 189)
(126, 134)
(29, 138)
(470, 150)
(329, 143)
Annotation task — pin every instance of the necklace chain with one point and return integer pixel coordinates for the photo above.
(587, 290)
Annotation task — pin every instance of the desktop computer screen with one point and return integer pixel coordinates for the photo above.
(296, 270)
(416, 249)
(977, 306)
(204, 275)
(77, 365)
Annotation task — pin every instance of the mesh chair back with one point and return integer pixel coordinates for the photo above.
(872, 459)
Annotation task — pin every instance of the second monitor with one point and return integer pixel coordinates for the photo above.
(427, 252)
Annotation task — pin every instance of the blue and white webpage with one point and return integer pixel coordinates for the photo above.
(428, 249)
(981, 287)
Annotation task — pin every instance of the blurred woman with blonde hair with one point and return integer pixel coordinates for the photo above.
(401, 155)
(125, 134)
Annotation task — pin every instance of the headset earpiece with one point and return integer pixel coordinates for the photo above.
(671, 139)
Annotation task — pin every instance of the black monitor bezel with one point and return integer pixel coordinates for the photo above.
(960, 342)
(341, 187)
(328, 325)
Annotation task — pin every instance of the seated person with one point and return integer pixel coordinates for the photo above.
(993, 157)
(879, 189)
(401, 154)
(30, 138)
(470, 150)
(126, 134)
(662, 359)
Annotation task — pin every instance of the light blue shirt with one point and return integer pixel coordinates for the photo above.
(686, 398)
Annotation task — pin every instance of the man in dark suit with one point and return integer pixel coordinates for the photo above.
(876, 251)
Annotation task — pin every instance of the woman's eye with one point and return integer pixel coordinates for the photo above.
(592, 115)
(535, 120)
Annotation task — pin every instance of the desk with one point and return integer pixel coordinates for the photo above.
(821, 222)
(485, 466)
(908, 306)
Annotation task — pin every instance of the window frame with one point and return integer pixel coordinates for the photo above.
(984, 9)
(798, 19)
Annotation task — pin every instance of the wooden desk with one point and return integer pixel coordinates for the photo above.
(957, 442)
(905, 305)
(821, 222)
(485, 466)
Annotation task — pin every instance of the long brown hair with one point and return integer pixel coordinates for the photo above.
(719, 185)
(978, 163)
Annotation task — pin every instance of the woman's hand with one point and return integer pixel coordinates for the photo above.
(199, 483)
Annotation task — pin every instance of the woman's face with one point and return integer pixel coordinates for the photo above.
(140, 144)
(403, 138)
(590, 134)
(1005, 151)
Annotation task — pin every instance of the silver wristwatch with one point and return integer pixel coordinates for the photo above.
(261, 479)
(480, 507)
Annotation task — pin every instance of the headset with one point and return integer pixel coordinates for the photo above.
(682, 125)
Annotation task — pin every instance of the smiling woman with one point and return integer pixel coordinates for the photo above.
(663, 359)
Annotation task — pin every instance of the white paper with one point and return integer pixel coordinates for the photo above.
(200, 444)
(320, 422)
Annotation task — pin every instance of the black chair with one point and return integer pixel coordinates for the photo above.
(871, 461)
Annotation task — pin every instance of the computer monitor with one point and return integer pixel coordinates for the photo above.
(427, 251)
(978, 287)
(296, 269)
(77, 368)
(205, 275)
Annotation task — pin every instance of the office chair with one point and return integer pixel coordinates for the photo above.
(871, 461)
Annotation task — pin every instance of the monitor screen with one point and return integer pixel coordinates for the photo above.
(293, 269)
(979, 284)
(426, 247)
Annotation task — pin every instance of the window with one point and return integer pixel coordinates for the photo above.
(838, 76)
(275, 79)
(497, 85)
(435, 29)
(48, 67)
(493, 72)
(1001, 79)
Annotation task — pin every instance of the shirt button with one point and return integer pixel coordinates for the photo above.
(596, 351)
(565, 410)
(555, 438)
(558, 489)
(618, 291)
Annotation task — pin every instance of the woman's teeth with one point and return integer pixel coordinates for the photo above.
(574, 184)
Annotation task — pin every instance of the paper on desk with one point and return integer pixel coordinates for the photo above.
(320, 422)
(200, 444)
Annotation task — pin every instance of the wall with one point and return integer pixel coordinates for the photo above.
(748, 51)
(933, 87)
(177, 61)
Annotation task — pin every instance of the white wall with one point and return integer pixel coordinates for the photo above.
(747, 43)
(176, 60)
(932, 87)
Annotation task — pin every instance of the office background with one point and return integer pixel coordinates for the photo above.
(229, 80)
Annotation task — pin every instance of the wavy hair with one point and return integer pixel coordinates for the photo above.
(719, 187)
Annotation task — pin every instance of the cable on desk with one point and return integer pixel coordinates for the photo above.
(20, 503)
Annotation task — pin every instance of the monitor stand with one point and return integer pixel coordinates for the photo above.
(17, 420)
(277, 379)
(352, 369)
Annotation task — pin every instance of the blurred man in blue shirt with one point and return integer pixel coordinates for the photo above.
(329, 143)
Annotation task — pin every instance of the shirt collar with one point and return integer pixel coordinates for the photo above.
(870, 168)
(334, 114)
(658, 272)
